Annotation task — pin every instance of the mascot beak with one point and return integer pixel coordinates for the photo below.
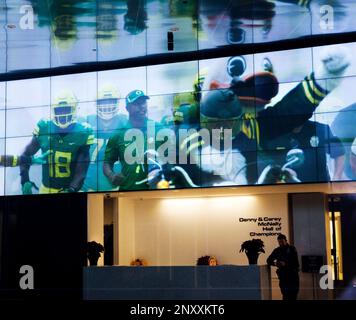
(258, 89)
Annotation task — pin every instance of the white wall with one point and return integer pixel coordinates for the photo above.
(126, 228)
(178, 231)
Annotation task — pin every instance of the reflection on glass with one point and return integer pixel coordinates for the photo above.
(67, 32)
(181, 18)
(25, 37)
(121, 29)
(288, 20)
(135, 17)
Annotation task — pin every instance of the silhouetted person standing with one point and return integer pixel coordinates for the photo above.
(285, 258)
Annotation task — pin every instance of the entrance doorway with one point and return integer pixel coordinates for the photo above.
(342, 209)
(336, 241)
(109, 207)
(103, 226)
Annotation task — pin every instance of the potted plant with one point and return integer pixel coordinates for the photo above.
(207, 261)
(253, 248)
(93, 252)
(138, 262)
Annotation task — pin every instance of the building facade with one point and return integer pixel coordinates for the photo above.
(168, 131)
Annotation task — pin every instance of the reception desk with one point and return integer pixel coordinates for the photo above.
(228, 282)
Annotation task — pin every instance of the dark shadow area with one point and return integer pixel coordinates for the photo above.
(47, 232)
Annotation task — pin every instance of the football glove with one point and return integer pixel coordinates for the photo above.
(28, 186)
(67, 190)
(42, 159)
(117, 179)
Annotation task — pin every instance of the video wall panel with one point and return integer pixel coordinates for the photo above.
(2, 123)
(17, 93)
(2, 169)
(269, 118)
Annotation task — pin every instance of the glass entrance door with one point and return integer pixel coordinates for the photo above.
(336, 242)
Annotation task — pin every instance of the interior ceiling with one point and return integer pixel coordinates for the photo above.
(72, 32)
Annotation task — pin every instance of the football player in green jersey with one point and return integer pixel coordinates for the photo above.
(185, 112)
(68, 142)
(133, 176)
(104, 122)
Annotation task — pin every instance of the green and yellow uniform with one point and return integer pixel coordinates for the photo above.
(63, 147)
(185, 110)
(135, 174)
(13, 161)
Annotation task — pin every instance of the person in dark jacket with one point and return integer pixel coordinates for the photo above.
(285, 258)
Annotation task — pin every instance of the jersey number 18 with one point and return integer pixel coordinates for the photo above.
(59, 164)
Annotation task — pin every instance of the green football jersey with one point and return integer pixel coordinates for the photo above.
(136, 174)
(63, 146)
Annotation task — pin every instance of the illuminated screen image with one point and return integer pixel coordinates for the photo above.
(71, 32)
(262, 119)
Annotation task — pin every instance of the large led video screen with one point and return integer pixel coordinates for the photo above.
(262, 119)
